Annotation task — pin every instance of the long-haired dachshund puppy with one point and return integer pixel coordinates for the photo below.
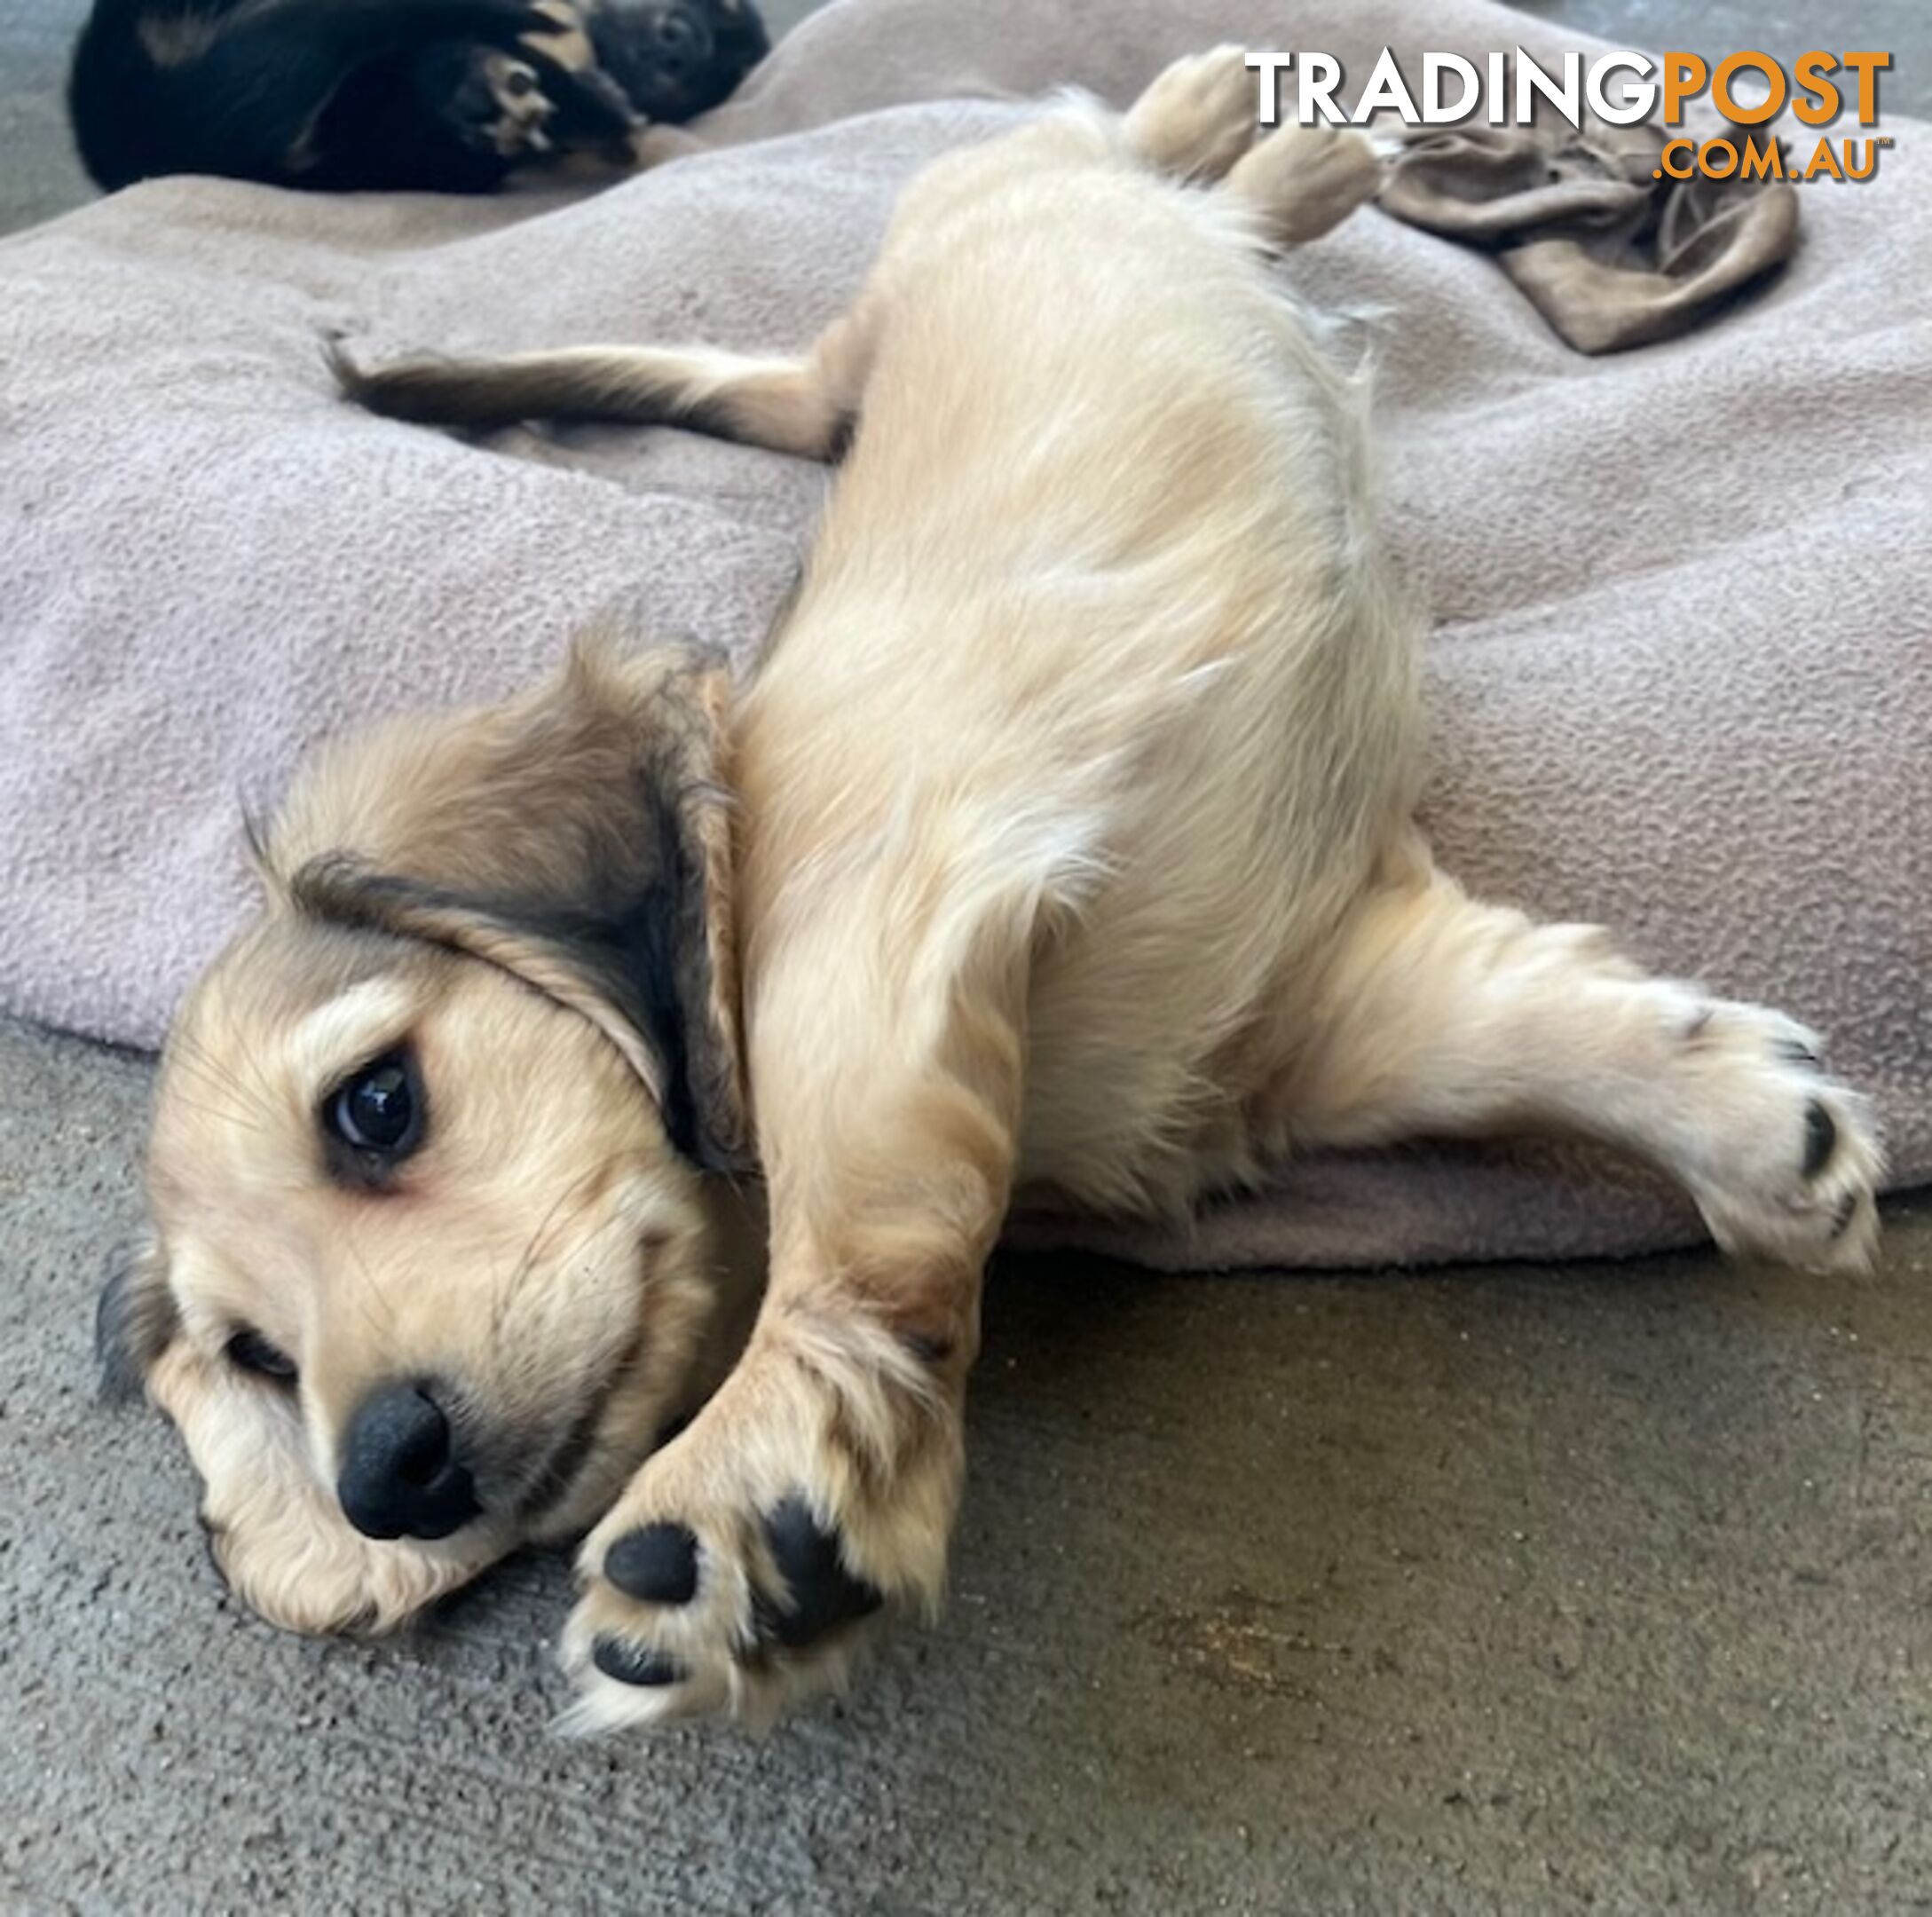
(448, 96)
(1063, 843)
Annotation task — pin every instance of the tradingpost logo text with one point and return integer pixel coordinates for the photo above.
(1749, 89)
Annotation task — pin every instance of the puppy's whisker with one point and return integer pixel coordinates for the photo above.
(226, 1114)
(229, 1100)
(538, 1238)
(370, 1288)
(253, 1065)
(219, 1074)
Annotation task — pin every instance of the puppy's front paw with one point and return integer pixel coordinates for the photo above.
(747, 1561)
(557, 33)
(1781, 1159)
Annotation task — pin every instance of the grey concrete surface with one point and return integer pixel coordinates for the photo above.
(40, 174)
(1601, 1588)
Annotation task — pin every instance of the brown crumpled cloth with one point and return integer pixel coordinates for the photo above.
(1609, 255)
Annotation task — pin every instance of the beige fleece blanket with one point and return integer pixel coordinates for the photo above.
(1681, 671)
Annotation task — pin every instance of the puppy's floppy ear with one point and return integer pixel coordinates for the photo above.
(135, 1320)
(580, 838)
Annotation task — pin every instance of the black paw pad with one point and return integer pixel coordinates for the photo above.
(655, 1564)
(823, 1593)
(630, 1664)
(1821, 1139)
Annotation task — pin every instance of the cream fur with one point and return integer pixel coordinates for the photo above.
(1072, 849)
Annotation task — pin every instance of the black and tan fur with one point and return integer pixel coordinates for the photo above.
(449, 96)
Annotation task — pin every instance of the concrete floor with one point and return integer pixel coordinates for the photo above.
(1516, 1590)
(1599, 1589)
(40, 175)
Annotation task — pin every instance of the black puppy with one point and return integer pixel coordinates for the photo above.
(446, 96)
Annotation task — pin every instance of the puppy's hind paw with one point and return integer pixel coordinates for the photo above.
(1304, 181)
(1783, 1161)
(344, 369)
(425, 390)
(1199, 116)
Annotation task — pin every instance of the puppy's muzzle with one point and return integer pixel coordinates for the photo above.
(680, 58)
(400, 1476)
(678, 43)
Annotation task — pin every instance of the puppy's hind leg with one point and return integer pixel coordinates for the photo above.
(1199, 116)
(804, 406)
(1440, 1016)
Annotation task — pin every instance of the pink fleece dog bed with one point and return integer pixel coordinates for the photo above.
(1681, 676)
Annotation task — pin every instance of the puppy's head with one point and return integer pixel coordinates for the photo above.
(677, 59)
(435, 1237)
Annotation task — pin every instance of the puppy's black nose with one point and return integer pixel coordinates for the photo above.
(399, 1477)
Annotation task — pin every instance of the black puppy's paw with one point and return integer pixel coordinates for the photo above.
(492, 101)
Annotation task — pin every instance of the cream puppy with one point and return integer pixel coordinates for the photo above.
(1064, 842)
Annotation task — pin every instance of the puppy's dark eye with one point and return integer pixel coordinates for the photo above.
(250, 1351)
(379, 1110)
